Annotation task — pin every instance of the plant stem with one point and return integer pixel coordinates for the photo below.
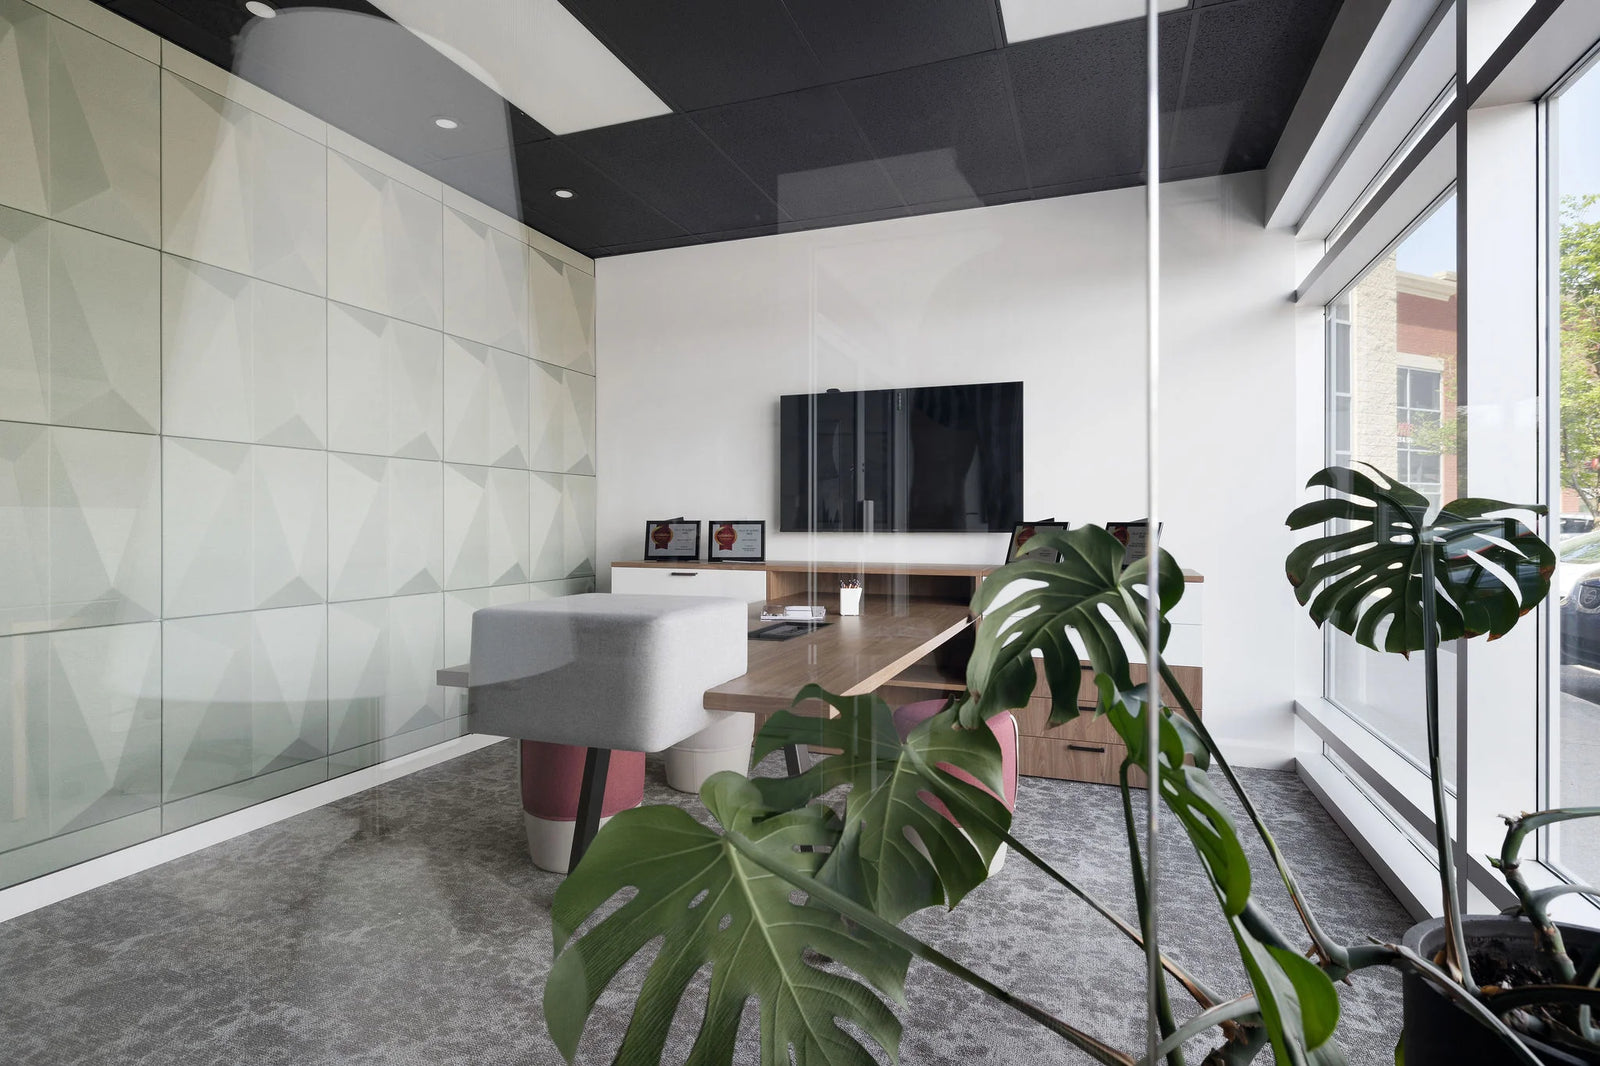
(1455, 952)
(1545, 934)
(1142, 901)
(1232, 1010)
(1336, 955)
(849, 908)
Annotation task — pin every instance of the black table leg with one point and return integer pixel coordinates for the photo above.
(591, 801)
(796, 759)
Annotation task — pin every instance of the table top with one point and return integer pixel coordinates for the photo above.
(851, 657)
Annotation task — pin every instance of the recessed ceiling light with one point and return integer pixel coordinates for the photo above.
(1027, 19)
(446, 123)
(562, 194)
(261, 10)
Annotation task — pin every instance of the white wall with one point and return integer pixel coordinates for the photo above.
(698, 343)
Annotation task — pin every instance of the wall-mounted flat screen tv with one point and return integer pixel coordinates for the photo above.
(945, 459)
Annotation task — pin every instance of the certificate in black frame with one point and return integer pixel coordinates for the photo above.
(1025, 531)
(736, 541)
(672, 540)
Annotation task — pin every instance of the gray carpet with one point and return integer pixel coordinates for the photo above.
(406, 925)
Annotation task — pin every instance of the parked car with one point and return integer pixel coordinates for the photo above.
(1578, 583)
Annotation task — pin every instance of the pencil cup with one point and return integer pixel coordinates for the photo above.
(849, 601)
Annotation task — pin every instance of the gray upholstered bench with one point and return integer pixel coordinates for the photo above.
(603, 672)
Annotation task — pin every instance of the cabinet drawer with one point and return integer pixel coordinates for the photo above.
(1190, 677)
(1070, 760)
(1032, 721)
(746, 585)
(1097, 762)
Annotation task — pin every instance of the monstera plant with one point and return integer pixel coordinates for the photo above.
(794, 896)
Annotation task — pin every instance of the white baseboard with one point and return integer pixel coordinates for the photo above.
(64, 884)
(1256, 754)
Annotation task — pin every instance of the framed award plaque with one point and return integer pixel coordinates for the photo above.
(737, 542)
(1135, 538)
(672, 540)
(1026, 531)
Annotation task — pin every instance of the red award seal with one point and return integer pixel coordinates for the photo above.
(725, 537)
(661, 536)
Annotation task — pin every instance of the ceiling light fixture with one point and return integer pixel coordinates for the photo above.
(446, 123)
(562, 194)
(261, 10)
(1028, 19)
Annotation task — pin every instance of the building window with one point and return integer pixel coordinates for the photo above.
(1417, 412)
(1391, 375)
(1573, 725)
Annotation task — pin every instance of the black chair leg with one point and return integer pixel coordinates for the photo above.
(796, 759)
(591, 801)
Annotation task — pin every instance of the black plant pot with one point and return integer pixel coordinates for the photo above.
(1440, 1033)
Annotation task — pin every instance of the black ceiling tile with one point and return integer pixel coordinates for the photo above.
(850, 218)
(1102, 183)
(964, 202)
(855, 40)
(1255, 56)
(702, 53)
(643, 246)
(670, 165)
(1080, 98)
(805, 151)
(943, 131)
(600, 215)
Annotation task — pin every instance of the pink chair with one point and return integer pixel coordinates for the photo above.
(1005, 730)
(552, 776)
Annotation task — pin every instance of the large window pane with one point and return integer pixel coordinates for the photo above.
(1393, 372)
(1575, 730)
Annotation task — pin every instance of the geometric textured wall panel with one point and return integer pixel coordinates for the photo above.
(486, 394)
(385, 385)
(230, 505)
(577, 518)
(563, 312)
(82, 743)
(105, 137)
(105, 332)
(384, 244)
(240, 191)
(24, 107)
(243, 360)
(245, 527)
(24, 314)
(79, 527)
(382, 660)
(485, 284)
(485, 526)
(385, 526)
(243, 695)
(561, 420)
(105, 723)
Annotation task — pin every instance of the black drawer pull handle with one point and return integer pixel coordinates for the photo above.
(685, 573)
(1086, 747)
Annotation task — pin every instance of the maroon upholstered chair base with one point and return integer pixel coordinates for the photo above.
(552, 779)
(1005, 730)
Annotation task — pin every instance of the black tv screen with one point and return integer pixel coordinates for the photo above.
(944, 459)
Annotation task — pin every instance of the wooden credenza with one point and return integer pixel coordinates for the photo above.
(1085, 749)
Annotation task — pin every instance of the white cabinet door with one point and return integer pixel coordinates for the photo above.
(746, 585)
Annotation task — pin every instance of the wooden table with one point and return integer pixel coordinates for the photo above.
(850, 657)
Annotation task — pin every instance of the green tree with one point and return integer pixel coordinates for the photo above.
(1580, 348)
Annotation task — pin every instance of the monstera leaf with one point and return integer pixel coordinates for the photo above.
(1032, 604)
(897, 853)
(1298, 1003)
(1490, 569)
(711, 904)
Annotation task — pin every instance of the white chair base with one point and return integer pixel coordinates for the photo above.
(723, 745)
(550, 841)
